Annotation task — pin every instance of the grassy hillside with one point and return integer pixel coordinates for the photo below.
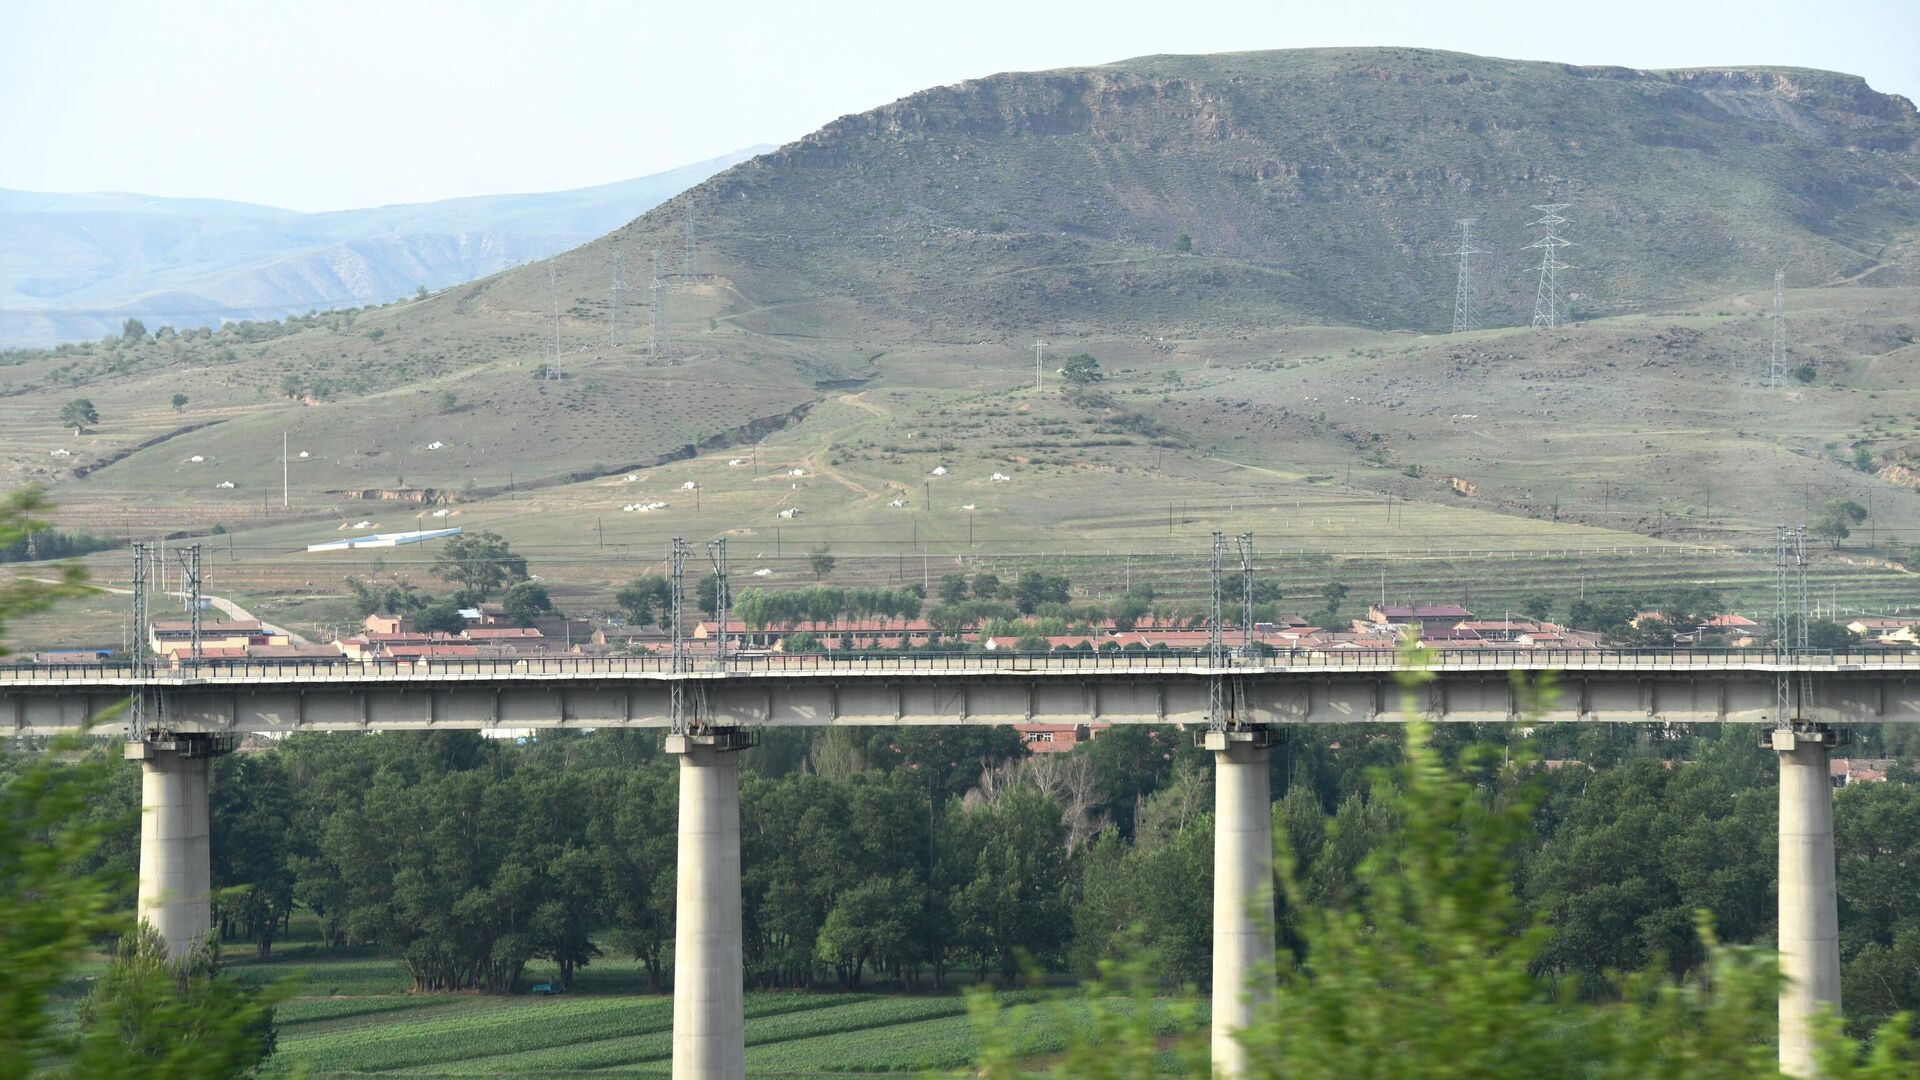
(862, 302)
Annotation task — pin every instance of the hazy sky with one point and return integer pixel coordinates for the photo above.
(329, 105)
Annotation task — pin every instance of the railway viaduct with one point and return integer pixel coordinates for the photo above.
(1799, 703)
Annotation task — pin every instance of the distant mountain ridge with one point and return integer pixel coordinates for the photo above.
(73, 266)
(1319, 185)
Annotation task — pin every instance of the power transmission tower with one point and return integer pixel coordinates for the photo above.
(687, 261)
(1038, 348)
(1546, 300)
(717, 552)
(190, 565)
(659, 342)
(1466, 298)
(1790, 622)
(553, 314)
(676, 601)
(142, 658)
(1245, 541)
(1777, 365)
(1216, 653)
(618, 332)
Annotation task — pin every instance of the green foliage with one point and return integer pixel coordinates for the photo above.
(179, 402)
(79, 414)
(822, 606)
(177, 1020)
(986, 585)
(1183, 244)
(481, 562)
(1081, 369)
(1804, 373)
(644, 600)
(1008, 876)
(524, 602)
(952, 588)
(441, 616)
(133, 330)
(251, 808)
(821, 561)
(1033, 589)
(386, 598)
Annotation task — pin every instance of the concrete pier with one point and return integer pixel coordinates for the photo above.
(176, 887)
(709, 1018)
(1243, 970)
(1809, 915)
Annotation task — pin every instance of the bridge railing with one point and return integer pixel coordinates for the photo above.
(1158, 660)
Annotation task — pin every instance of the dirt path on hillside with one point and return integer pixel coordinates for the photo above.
(859, 401)
(814, 459)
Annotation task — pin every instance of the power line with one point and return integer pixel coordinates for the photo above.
(1038, 347)
(1546, 299)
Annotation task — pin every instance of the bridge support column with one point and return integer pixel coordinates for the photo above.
(175, 895)
(1809, 917)
(709, 1012)
(1243, 971)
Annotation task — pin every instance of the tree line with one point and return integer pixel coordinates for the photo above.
(900, 857)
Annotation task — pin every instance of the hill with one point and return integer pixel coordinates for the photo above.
(73, 266)
(861, 303)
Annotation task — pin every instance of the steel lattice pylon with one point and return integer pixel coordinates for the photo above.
(1546, 299)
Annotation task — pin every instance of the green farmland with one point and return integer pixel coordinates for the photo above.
(354, 1016)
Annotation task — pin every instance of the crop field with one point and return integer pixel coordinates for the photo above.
(351, 1014)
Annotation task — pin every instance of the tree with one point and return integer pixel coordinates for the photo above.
(151, 1016)
(482, 562)
(1013, 873)
(1537, 606)
(440, 617)
(79, 414)
(952, 588)
(986, 585)
(706, 593)
(1836, 520)
(524, 602)
(1081, 369)
(1033, 588)
(643, 599)
(57, 896)
(133, 330)
(179, 402)
(1183, 244)
(1428, 971)
(822, 562)
(251, 810)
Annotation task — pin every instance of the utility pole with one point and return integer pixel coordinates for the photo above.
(1038, 348)
(717, 552)
(190, 565)
(142, 658)
(1546, 299)
(676, 601)
(284, 503)
(617, 330)
(553, 315)
(1245, 540)
(659, 342)
(1466, 300)
(687, 263)
(1777, 362)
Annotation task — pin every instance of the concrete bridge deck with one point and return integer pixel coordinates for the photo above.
(1735, 686)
